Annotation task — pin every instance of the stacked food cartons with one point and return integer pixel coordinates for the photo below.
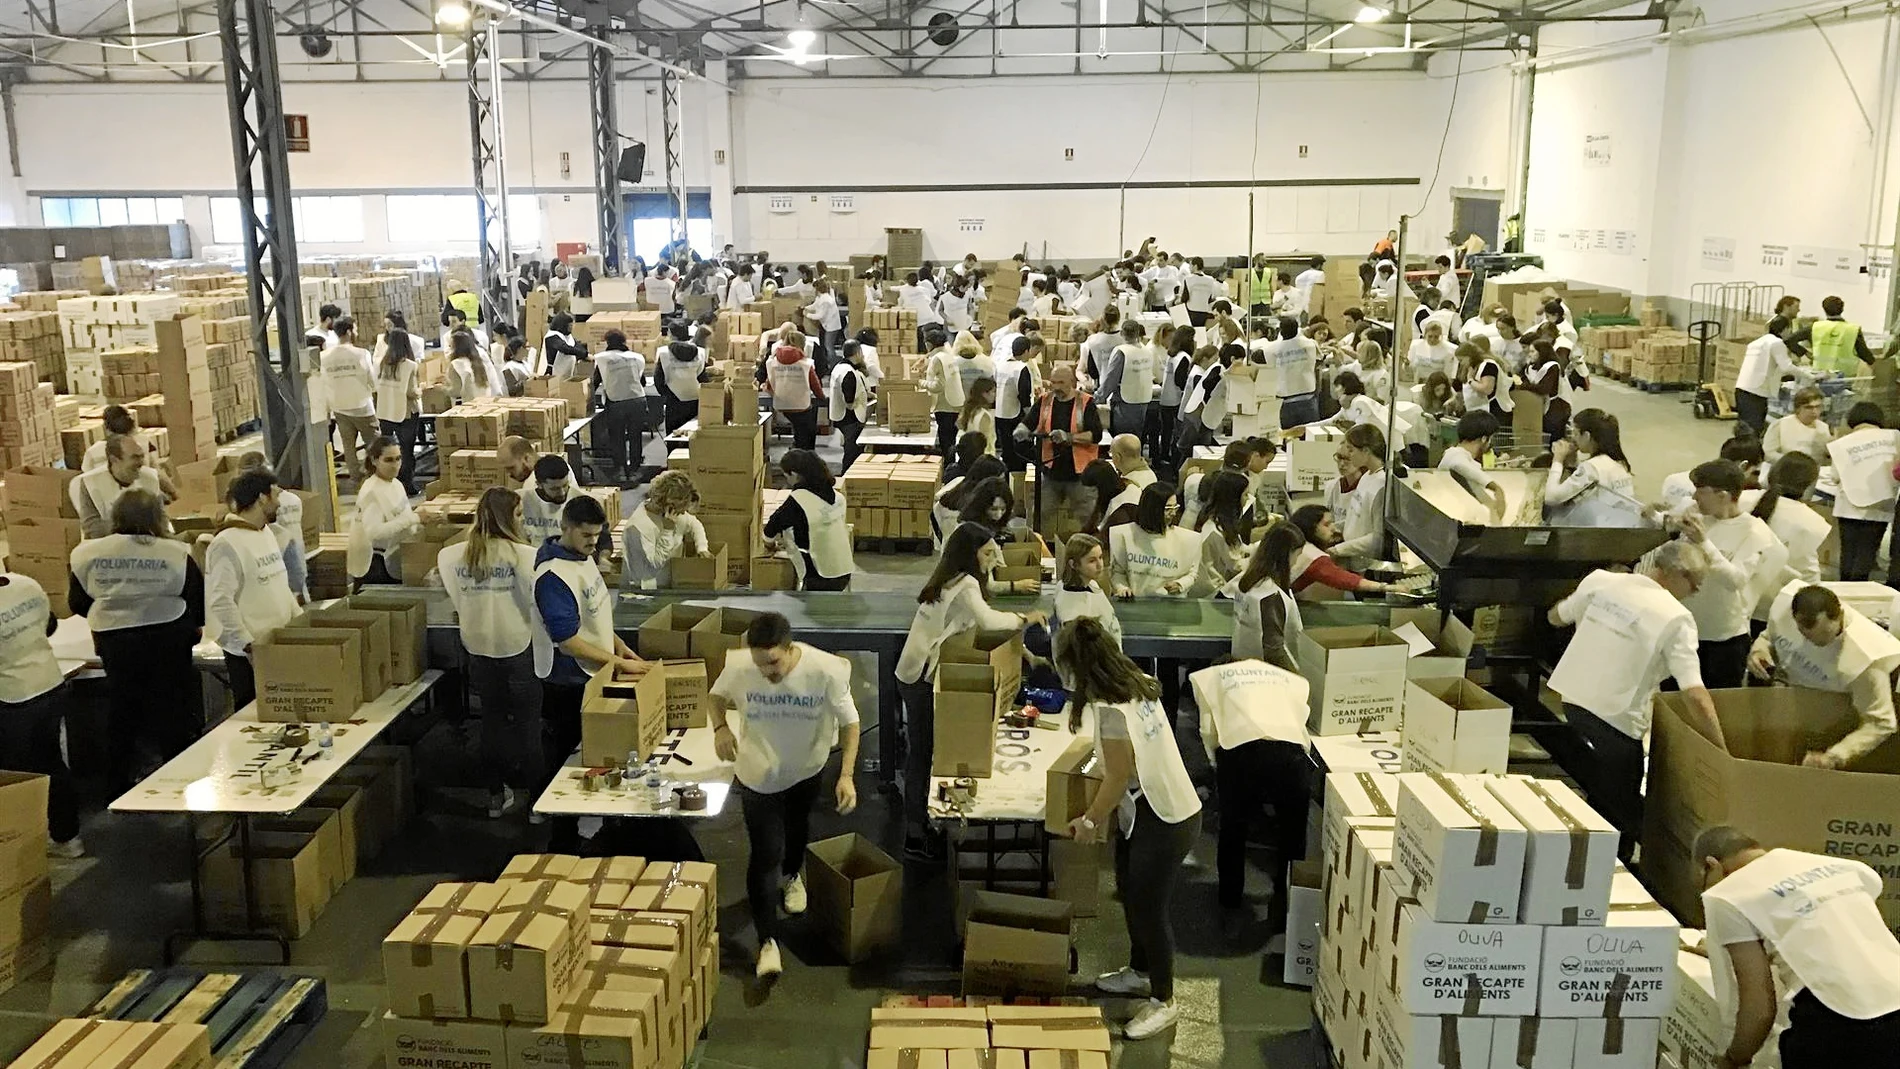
(91, 326)
(29, 430)
(33, 337)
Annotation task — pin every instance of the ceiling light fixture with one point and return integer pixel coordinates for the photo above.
(1369, 13)
(801, 38)
(451, 13)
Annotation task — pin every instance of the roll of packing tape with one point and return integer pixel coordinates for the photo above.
(692, 799)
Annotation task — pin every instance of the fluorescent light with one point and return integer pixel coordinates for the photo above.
(801, 38)
(451, 13)
(1369, 13)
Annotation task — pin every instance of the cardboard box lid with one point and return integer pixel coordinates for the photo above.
(1458, 802)
(1049, 1027)
(531, 915)
(1551, 806)
(1050, 915)
(630, 928)
(667, 966)
(946, 1028)
(539, 867)
(448, 916)
(602, 1011)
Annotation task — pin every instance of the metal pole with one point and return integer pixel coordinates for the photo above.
(600, 79)
(495, 88)
(1386, 547)
(1246, 281)
(675, 162)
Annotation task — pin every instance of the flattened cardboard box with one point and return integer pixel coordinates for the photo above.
(1049, 1027)
(932, 1028)
(425, 957)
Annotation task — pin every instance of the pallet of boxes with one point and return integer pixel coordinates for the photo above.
(113, 336)
(890, 496)
(726, 459)
(583, 963)
(33, 337)
(991, 1036)
(1484, 920)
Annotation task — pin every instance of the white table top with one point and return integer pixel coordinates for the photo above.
(1020, 790)
(73, 646)
(575, 426)
(219, 772)
(687, 757)
(1374, 751)
(922, 443)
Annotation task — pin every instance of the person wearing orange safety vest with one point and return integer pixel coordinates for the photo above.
(1070, 425)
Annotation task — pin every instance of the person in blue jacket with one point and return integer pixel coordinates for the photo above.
(576, 635)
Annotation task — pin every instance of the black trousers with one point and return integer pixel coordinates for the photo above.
(1250, 776)
(1008, 449)
(1612, 776)
(1819, 1038)
(1860, 548)
(804, 428)
(1147, 870)
(243, 681)
(920, 725)
(1161, 420)
(679, 412)
(142, 663)
(849, 429)
(405, 432)
(560, 726)
(29, 742)
(510, 698)
(1751, 410)
(946, 435)
(626, 421)
(1192, 432)
(378, 574)
(1198, 319)
(1724, 661)
(777, 827)
(814, 581)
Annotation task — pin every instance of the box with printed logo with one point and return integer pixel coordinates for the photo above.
(1419, 1041)
(1460, 847)
(1469, 970)
(1623, 968)
(1570, 854)
(1357, 678)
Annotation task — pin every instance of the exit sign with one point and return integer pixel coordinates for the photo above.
(297, 133)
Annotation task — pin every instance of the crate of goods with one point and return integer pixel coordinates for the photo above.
(904, 409)
(46, 300)
(128, 374)
(315, 293)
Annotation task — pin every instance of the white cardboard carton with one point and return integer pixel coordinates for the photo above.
(1357, 678)
(1469, 970)
(1371, 751)
(1461, 848)
(1695, 1032)
(1305, 902)
(1617, 1043)
(1630, 962)
(1533, 1043)
(1451, 645)
(1365, 800)
(1454, 725)
(1570, 855)
(1415, 1041)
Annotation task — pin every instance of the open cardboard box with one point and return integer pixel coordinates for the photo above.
(1015, 945)
(1754, 780)
(701, 573)
(666, 635)
(1454, 725)
(966, 700)
(857, 895)
(308, 674)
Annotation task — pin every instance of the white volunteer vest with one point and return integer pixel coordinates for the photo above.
(489, 604)
(103, 490)
(1863, 461)
(1130, 495)
(856, 408)
(682, 376)
(134, 580)
(264, 600)
(1862, 645)
(28, 668)
(1154, 561)
(1171, 394)
(1248, 640)
(1298, 371)
(1162, 777)
(622, 375)
(830, 547)
(1138, 374)
(971, 368)
(1073, 605)
(1624, 627)
(596, 606)
(558, 370)
(791, 384)
(540, 518)
(1009, 376)
(1251, 700)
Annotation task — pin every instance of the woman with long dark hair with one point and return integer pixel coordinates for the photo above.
(581, 299)
(954, 600)
(813, 517)
(1224, 523)
(1145, 797)
(1597, 445)
(956, 494)
(399, 398)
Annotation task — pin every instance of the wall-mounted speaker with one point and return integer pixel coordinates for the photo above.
(633, 163)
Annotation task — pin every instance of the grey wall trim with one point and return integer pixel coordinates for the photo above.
(1026, 187)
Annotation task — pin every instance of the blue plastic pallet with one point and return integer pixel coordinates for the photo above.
(256, 1019)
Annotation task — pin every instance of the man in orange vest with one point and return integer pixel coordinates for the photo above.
(1070, 425)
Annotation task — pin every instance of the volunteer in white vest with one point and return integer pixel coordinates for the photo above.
(544, 498)
(247, 589)
(350, 384)
(576, 633)
(471, 376)
(1266, 618)
(1084, 565)
(1174, 378)
(1294, 361)
(1765, 363)
(1152, 556)
(1801, 530)
(33, 706)
(953, 600)
(1744, 558)
(1815, 920)
(96, 491)
(849, 395)
(1815, 641)
(118, 421)
(1362, 511)
(560, 353)
(1129, 381)
(1633, 631)
(1017, 383)
(811, 525)
(1802, 430)
(944, 385)
(1863, 465)
(660, 531)
(399, 396)
(622, 377)
(791, 703)
(384, 519)
(489, 578)
(1464, 460)
(1204, 398)
(1225, 523)
(791, 378)
(682, 365)
(144, 599)
(1597, 444)
(1145, 797)
(823, 310)
(1253, 724)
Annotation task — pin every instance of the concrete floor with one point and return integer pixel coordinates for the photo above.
(114, 908)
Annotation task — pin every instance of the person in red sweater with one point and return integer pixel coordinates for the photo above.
(1313, 565)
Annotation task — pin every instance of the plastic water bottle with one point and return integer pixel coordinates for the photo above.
(654, 792)
(633, 768)
(326, 743)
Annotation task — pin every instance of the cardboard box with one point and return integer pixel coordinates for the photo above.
(667, 633)
(538, 867)
(412, 1044)
(26, 930)
(289, 884)
(1460, 847)
(527, 956)
(642, 991)
(1015, 945)
(686, 685)
(408, 613)
(323, 826)
(1698, 1029)
(1569, 856)
(1355, 800)
(607, 879)
(73, 1044)
(626, 928)
(598, 1029)
(1075, 875)
(1417, 1041)
(718, 635)
(668, 968)
(308, 675)
(1357, 677)
(1452, 643)
(917, 1027)
(1481, 970)
(963, 731)
(1626, 968)
(1533, 1043)
(1617, 1043)
(856, 895)
(347, 804)
(773, 573)
(1454, 725)
(1757, 782)
(622, 712)
(22, 830)
(37, 490)
(701, 573)
(1305, 902)
(688, 889)
(425, 957)
(1049, 1028)
(374, 628)
(1072, 780)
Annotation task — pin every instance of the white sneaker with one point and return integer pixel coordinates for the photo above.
(769, 963)
(502, 804)
(1123, 982)
(795, 896)
(1155, 1017)
(71, 848)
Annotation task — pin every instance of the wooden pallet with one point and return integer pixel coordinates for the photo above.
(256, 1019)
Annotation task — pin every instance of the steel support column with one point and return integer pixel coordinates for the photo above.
(253, 92)
(675, 164)
(487, 141)
(600, 87)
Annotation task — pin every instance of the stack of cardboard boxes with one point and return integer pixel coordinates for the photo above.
(29, 429)
(372, 298)
(90, 326)
(184, 369)
(641, 328)
(26, 889)
(1483, 920)
(602, 963)
(1665, 358)
(890, 496)
(33, 337)
(993, 1037)
(231, 358)
(81, 1043)
(727, 464)
(896, 329)
(42, 528)
(317, 288)
(328, 662)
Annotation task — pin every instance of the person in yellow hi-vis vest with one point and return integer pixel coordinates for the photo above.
(1260, 282)
(1837, 345)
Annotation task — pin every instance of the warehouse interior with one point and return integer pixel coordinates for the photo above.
(1672, 169)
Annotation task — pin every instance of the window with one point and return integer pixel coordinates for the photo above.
(652, 226)
(318, 220)
(110, 211)
(435, 218)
